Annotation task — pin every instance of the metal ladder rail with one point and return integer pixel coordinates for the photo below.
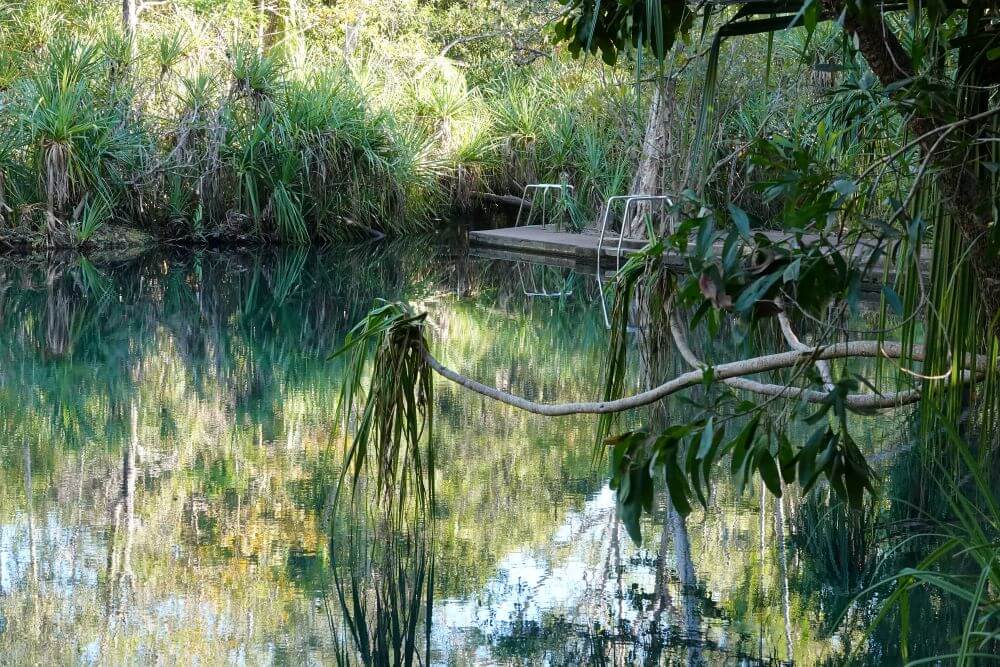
(629, 201)
(534, 188)
(542, 292)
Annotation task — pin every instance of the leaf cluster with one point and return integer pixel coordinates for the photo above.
(685, 456)
(592, 26)
(744, 271)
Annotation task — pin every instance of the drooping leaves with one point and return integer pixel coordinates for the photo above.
(615, 26)
(685, 456)
(631, 480)
(388, 423)
(641, 266)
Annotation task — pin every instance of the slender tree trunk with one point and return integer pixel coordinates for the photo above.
(119, 562)
(129, 474)
(58, 316)
(657, 146)
(779, 530)
(130, 23)
(688, 579)
(32, 549)
(277, 16)
(261, 24)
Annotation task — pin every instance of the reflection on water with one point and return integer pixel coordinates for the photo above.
(167, 461)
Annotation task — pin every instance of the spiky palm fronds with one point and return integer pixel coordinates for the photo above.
(256, 76)
(170, 50)
(83, 151)
(389, 423)
(960, 563)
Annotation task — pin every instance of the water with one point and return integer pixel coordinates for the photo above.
(203, 532)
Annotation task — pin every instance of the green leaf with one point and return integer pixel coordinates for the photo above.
(791, 273)
(756, 290)
(707, 436)
(807, 471)
(892, 299)
(677, 485)
(786, 458)
(741, 221)
(707, 376)
(692, 466)
(845, 186)
(631, 480)
(714, 451)
(742, 447)
(768, 470)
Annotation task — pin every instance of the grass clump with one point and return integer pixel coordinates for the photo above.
(70, 151)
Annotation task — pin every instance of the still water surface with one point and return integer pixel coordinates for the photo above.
(167, 459)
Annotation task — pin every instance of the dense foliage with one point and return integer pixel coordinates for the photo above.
(215, 120)
(856, 203)
(813, 149)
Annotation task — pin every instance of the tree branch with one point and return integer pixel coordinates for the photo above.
(149, 4)
(737, 369)
(793, 342)
(506, 200)
(967, 198)
(471, 38)
(855, 401)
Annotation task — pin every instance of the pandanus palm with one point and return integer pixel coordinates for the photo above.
(77, 144)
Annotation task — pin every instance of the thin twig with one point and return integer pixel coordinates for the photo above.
(941, 128)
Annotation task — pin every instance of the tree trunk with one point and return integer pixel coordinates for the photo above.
(262, 23)
(270, 23)
(28, 493)
(656, 147)
(275, 23)
(130, 23)
(967, 198)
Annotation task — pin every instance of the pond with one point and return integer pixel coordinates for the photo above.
(169, 450)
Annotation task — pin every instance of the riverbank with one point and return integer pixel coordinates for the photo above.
(253, 146)
(109, 240)
(347, 122)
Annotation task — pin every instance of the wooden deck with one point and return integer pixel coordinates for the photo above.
(571, 249)
(547, 240)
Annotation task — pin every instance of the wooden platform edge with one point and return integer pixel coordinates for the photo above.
(542, 241)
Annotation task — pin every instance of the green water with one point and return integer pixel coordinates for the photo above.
(203, 532)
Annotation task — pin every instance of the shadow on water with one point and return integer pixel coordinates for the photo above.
(168, 455)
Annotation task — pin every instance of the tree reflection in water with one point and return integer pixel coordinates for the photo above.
(167, 461)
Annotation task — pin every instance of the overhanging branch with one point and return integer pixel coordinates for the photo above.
(723, 372)
(856, 401)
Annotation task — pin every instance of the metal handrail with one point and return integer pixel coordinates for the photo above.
(542, 292)
(633, 200)
(629, 201)
(544, 187)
